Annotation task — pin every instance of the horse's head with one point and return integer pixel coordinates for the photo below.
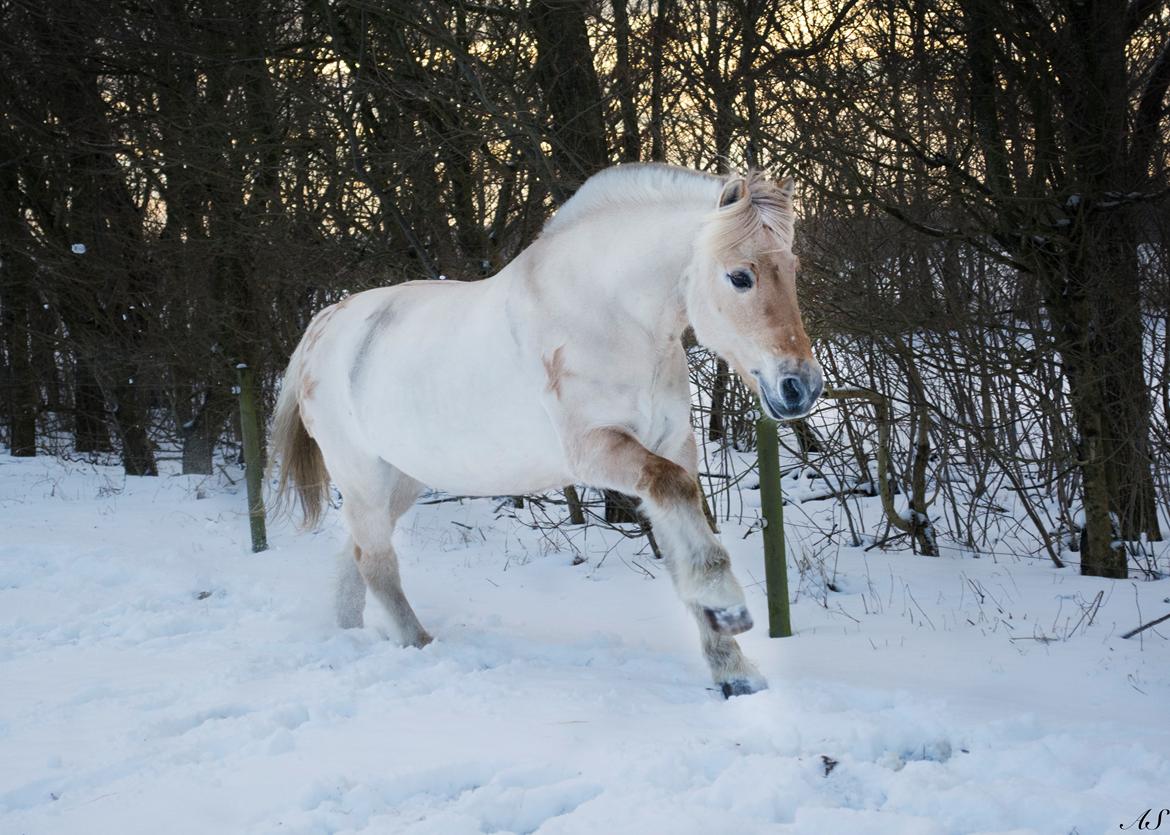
(741, 295)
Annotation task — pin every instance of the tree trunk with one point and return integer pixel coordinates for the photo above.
(621, 509)
(657, 47)
(806, 437)
(565, 72)
(716, 428)
(1088, 270)
(721, 88)
(201, 433)
(130, 420)
(1104, 259)
(1071, 311)
(624, 86)
(23, 397)
(1117, 343)
(1101, 553)
(90, 430)
(17, 274)
(922, 529)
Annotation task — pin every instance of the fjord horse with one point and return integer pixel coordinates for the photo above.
(566, 367)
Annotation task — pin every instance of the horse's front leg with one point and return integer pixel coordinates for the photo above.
(731, 671)
(614, 459)
(699, 564)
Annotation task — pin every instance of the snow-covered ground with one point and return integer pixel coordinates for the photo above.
(156, 676)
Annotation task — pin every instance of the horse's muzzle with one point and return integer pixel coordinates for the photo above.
(796, 388)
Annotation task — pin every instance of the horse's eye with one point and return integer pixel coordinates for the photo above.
(741, 280)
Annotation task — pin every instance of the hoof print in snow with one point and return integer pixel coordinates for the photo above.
(729, 621)
(828, 763)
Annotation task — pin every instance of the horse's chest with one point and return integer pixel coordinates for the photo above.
(665, 406)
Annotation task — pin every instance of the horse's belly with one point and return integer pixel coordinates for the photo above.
(485, 454)
(467, 422)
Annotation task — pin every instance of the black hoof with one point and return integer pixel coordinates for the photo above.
(730, 621)
(738, 687)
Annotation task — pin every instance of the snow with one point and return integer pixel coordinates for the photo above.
(158, 677)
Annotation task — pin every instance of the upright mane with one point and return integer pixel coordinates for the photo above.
(635, 184)
(648, 184)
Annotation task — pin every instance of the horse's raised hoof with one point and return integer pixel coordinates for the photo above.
(741, 687)
(729, 621)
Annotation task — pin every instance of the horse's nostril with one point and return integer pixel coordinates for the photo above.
(792, 390)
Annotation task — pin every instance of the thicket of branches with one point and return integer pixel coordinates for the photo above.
(983, 207)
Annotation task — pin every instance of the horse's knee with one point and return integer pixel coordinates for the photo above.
(705, 579)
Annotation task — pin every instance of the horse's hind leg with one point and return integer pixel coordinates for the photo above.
(350, 594)
(371, 512)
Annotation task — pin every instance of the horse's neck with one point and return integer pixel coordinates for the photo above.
(636, 260)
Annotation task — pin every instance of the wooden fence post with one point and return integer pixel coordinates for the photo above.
(253, 463)
(573, 499)
(772, 509)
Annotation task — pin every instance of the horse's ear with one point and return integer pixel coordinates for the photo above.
(733, 191)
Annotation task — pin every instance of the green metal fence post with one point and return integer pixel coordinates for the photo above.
(253, 463)
(772, 508)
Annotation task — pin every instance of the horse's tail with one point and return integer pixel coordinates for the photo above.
(302, 467)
